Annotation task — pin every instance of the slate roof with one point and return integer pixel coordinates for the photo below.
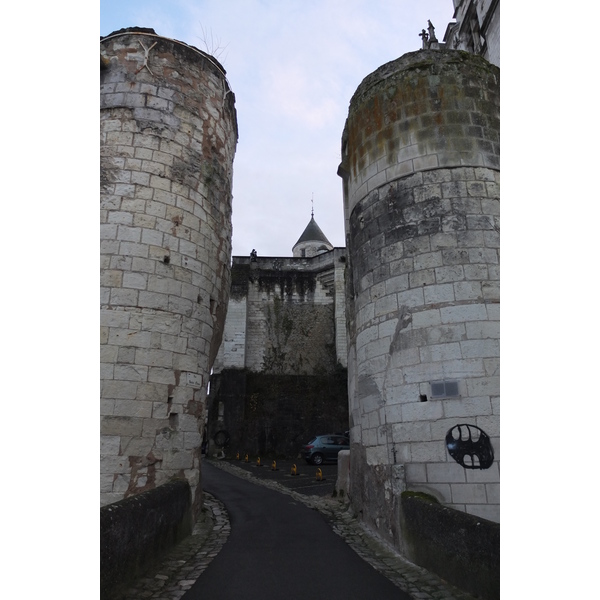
(313, 233)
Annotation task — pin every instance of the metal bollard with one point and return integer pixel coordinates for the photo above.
(273, 466)
(246, 459)
(258, 462)
(319, 475)
(294, 470)
(237, 456)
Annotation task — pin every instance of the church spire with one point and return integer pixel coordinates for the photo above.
(312, 241)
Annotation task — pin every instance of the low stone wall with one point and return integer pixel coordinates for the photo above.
(461, 548)
(137, 531)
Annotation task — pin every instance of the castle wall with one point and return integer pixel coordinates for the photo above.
(279, 378)
(168, 138)
(286, 315)
(420, 163)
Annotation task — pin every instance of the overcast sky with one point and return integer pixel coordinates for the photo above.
(293, 66)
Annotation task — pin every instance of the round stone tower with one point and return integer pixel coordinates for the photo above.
(420, 164)
(168, 138)
(312, 241)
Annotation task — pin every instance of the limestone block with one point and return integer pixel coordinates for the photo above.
(428, 260)
(188, 423)
(477, 272)
(129, 337)
(133, 408)
(160, 410)
(426, 318)
(112, 389)
(377, 348)
(126, 355)
(135, 280)
(130, 372)
(468, 493)
(446, 333)
(480, 348)
(123, 297)
(435, 294)
(447, 471)
(153, 357)
(440, 352)
(400, 283)
(415, 472)
(376, 455)
(161, 375)
(422, 411)
(367, 335)
(411, 298)
(490, 424)
(114, 464)
(106, 482)
(467, 407)
(138, 446)
(418, 431)
(427, 452)
(464, 313)
(192, 440)
(185, 362)
(484, 386)
(110, 444)
(177, 460)
(467, 290)
(418, 278)
(491, 291)
(120, 426)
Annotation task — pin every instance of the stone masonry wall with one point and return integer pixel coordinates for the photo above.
(421, 192)
(290, 324)
(168, 138)
(286, 315)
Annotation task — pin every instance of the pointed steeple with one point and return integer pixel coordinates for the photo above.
(312, 241)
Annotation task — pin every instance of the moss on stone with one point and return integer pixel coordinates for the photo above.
(420, 495)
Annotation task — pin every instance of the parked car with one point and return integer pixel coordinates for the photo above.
(325, 448)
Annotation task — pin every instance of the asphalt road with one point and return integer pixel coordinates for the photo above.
(279, 549)
(304, 482)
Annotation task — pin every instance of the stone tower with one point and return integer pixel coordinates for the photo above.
(312, 241)
(420, 165)
(168, 138)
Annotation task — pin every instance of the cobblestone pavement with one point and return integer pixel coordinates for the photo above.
(186, 562)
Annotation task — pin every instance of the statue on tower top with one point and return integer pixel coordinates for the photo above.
(431, 30)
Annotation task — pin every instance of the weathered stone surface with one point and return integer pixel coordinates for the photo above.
(436, 114)
(166, 227)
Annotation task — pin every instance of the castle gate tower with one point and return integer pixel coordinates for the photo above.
(168, 138)
(420, 164)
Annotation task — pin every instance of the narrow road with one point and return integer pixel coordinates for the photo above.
(279, 549)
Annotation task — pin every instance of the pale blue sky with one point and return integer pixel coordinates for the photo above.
(293, 66)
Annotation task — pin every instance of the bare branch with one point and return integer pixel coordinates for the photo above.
(211, 44)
